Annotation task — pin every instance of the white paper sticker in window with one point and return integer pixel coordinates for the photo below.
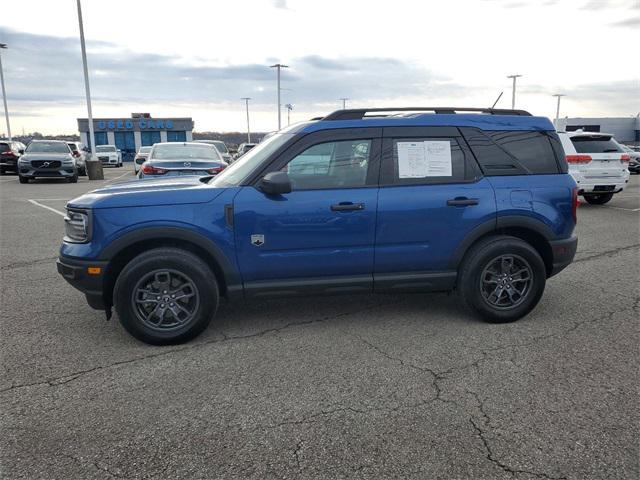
(438, 158)
(412, 162)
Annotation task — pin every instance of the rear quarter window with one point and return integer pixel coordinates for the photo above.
(513, 152)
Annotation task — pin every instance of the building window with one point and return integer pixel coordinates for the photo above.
(176, 136)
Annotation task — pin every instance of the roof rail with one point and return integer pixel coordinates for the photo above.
(359, 113)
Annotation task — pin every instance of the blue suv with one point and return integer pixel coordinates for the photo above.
(379, 200)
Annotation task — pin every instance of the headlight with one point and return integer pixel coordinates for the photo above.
(77, 226)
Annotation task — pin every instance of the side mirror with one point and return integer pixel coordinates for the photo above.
(21, 151)
(275, 183)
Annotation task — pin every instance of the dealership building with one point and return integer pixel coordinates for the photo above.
(625, 129)
(140, 129)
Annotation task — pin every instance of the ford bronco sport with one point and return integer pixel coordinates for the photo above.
(377, 200)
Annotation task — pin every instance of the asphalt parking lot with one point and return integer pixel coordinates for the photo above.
(394, 386)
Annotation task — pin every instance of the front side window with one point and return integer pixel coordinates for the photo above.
(340, 164)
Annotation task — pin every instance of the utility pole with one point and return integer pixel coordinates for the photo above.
(344, 102)
(279, 66)
(558, 95)
(92, 140)
(513, 91)
(4, 93)
(246, 101)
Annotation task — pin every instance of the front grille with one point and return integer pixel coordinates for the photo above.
(45, 163)
(104, 159)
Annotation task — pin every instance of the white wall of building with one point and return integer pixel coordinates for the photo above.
(111, 138)
(137, 138)
(163, 136)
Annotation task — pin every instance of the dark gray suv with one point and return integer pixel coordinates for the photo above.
(47, 159)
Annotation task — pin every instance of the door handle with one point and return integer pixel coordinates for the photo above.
(347, 207)
(462, 202)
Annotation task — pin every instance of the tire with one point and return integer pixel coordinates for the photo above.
(482, 268)
(598, 198)
(73, 179)
(152, 271)
(22, 179)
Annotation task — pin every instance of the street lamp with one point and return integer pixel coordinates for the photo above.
(279, 66)
(92, 139)
(4, 93)
(289, 107)
(558, 95)
(344, 102)
(513, 91)
(246, 101)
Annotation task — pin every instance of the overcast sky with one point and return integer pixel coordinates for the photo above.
(197, 58)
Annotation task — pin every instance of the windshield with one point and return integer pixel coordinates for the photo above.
(595, 144)
(48, 147)
(222, 148)
(181, 151)
(144, 150)
(105, 148)
(239, 170)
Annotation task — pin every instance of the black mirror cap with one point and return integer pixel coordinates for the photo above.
(275, 183)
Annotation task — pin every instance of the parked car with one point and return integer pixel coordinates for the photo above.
(597, 163)
(222, 149)
(10, 153)
(634, 159)
(182, 158)
(477, 203)
(140, 158)
(47, 159)
(80, 154)
(109, 155)
(244, 148)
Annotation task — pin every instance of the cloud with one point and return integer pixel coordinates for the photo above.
(280, 4)
(632, 22)
(48, 70)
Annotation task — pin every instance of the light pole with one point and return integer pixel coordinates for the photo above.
(344, 102)
(513, 91)
(246, 102)
(92, 139)
(279, 66)
(289, 107)
(4, 93)
(558, 95)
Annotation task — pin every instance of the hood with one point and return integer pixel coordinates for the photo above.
(46, 156)
(141, 193)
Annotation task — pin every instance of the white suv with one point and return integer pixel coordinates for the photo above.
(597, 163)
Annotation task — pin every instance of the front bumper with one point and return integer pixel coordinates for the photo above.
(9, 163)
(65, 171)
(75, 272)
(634, 167)
(563, 252)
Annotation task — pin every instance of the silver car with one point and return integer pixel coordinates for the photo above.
(47, 159)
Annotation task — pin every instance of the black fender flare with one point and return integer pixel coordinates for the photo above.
(231, 275)
(495, 225)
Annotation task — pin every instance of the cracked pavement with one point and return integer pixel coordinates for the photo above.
(390, 386)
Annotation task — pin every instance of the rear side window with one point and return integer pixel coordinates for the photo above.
(424, 161)
(595, 144)
(532, 150)
(512, 152)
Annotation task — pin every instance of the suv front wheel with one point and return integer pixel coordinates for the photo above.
(166, 296)
(502, 278)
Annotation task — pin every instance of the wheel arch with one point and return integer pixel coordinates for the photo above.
(124, 249)
(532, 231)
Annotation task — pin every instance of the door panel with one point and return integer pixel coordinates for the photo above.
(418, 231)
(302, 236)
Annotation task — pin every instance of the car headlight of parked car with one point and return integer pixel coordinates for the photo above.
(77, 225)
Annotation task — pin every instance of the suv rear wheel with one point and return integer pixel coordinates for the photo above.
(502, 278)
(598, 198)
(166, 296)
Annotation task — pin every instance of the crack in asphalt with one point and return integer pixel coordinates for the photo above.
(607, 253)
(27, 263)
(55, 381)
